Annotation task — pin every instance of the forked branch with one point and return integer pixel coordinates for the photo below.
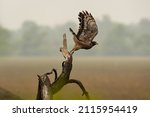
(63, 79)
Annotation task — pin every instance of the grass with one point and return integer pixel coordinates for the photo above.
(104, 78)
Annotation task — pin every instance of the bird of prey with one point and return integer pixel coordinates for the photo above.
(87, 31)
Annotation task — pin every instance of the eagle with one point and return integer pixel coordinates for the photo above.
(87, 31)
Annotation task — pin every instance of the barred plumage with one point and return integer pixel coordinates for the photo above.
(87, 31)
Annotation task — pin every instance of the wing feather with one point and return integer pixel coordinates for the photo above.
(87, 27)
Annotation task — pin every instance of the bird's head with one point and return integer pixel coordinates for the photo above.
(94, 43)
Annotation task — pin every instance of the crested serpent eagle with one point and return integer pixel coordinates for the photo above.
(87, 31)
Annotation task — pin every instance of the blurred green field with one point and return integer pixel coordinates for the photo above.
(104, 78)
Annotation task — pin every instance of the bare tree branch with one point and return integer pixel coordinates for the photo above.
(45, 87)
(81, 86)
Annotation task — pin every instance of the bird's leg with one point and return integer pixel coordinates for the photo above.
(72, 51)
(81, 86)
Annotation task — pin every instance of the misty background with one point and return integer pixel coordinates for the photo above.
(115, 39)
(35, 28)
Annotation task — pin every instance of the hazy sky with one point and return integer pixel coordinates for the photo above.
(54, 12)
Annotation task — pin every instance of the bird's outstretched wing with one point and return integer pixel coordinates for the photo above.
(87, 27)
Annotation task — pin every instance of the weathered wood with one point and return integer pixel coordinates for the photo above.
(62, 80)
(81, 86)
(44, 86)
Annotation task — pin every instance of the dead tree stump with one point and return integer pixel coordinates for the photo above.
(46, 89)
